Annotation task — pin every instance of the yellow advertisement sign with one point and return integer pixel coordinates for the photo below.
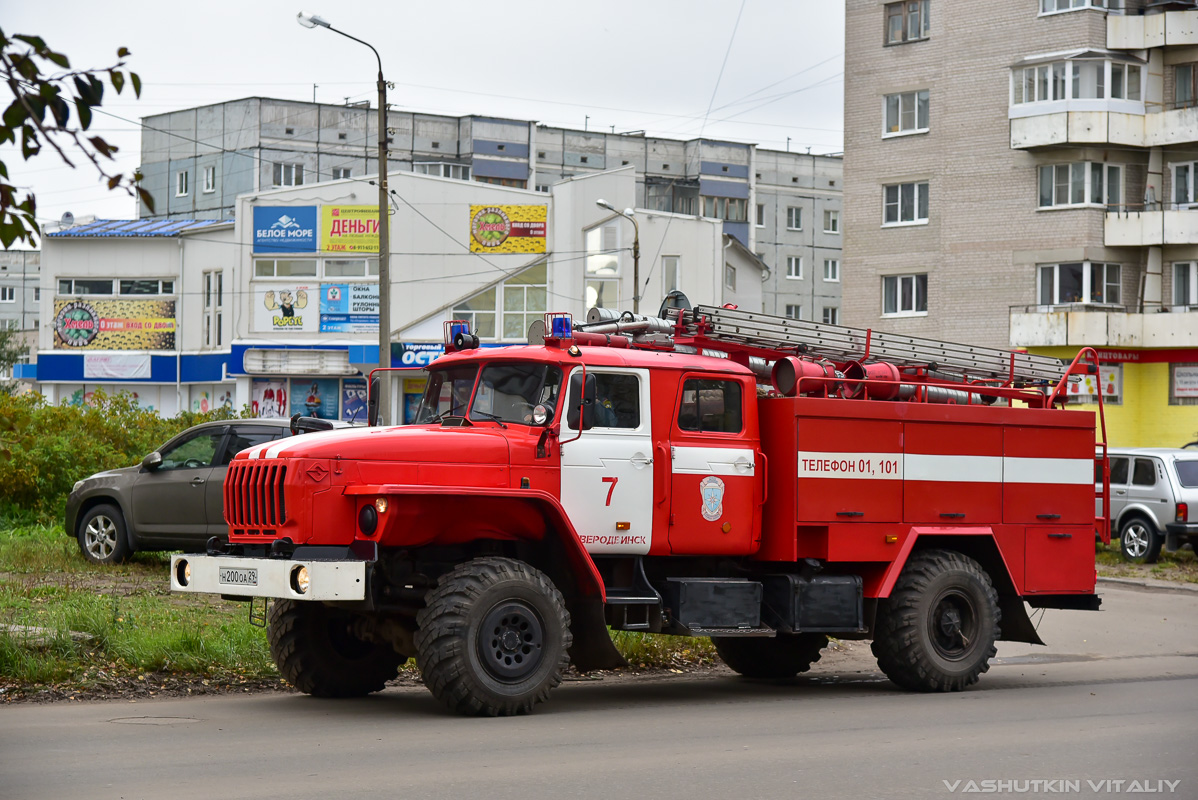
(349, 229)
(507, 229)
(84, 324)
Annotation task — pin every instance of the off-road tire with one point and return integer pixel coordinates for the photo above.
(493, 638)
(916, 641)
(1139, 541)
(782, 656)
(103, 536)
(317, 653)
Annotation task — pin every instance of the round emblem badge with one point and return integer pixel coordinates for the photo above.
(77, 324)
(711, 489)
(490, 227)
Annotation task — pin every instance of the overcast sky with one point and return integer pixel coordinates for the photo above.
(652, 65)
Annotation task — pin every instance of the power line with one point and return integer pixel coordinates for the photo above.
(723, 64)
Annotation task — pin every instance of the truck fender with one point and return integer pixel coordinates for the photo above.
(978, 543)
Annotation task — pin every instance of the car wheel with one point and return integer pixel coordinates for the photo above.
(103, 538)
(1139, 541)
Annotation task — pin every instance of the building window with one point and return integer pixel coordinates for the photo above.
(459, 172)
(509, 308)
(1081, 183)
(1184, 88)
(1184, 176)
(511, 183)
(907, 22)
(794, 267)
(904, 295)
(831, 270)
(37, 293)
(603, 267)
(284, 268)
(146, 287)
(831, 221)
(732, 209)
(794, 312)
(670, 277)
(350, 267)
(730, 277)
(84, 286)
(905, 204)
(214, 300)
(761, 215)
(794, 219)
(831, 315)
(8, 294)
(543, 187)
(288, 174)
(1183, 384)
(1084, 282)
(341, 173)
(1056, 6)
(209, 180)
(1185, 285)
(1079, 79)
(906, 113)
(181, 183)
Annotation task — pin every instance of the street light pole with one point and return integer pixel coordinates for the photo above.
(636, 251)
(312, 21)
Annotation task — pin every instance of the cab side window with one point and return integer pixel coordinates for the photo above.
(194, 452)
(617, 401)
(1144, 473)
(242, 438)
(710, 406)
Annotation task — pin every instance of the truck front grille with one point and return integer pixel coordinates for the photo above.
(254, 495)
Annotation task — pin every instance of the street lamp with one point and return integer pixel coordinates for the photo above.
(313, 21)
(636, 251)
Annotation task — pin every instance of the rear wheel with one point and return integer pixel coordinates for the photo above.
(317, 652)
(493, 638)
(936, 631)
(103, 538)
(1139, 541)
(782, 656)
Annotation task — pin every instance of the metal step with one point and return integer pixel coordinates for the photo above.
(841, 343)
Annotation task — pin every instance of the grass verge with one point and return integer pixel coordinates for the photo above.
(1181, 566)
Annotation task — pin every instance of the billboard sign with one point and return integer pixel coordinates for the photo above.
(349, 308)
(349, 229)
(283, 308)
(86, 324)
(507, 229)
(285, 229)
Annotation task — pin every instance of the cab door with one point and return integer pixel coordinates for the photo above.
(714, 490)
(607, 471)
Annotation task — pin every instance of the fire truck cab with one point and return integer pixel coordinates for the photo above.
(763, 482)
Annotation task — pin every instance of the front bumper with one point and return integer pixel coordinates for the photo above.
(248, 576)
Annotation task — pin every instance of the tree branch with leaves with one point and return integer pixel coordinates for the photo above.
(52, 106)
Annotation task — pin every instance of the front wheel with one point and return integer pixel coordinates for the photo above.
(103, 538)
(1139, 541)
(936, 631)
(493, 638)
(316, 651)
(782, 656)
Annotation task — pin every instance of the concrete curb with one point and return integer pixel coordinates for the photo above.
(1149, 583)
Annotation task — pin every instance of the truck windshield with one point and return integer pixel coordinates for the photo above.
(447, 393)
(509, 392)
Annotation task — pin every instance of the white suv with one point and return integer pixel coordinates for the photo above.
(1154, 500)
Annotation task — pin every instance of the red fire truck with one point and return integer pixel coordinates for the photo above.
(762, 481)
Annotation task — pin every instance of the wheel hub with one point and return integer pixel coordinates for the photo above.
(953, 624)
(510, 641)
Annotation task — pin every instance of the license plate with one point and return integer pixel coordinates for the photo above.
(237, 576)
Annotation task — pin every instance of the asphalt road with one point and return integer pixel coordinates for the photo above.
(1113, 698)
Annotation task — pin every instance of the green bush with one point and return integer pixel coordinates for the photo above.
(44, 448)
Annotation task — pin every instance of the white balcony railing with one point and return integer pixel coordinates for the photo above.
(1131, 226)
(1140, 32)
(1080, 325)
(1152, 129)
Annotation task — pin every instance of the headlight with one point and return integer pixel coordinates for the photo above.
(539, 415)
(75, 488)
(300, 580)
(381, 504)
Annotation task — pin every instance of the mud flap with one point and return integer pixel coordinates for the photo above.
(593, 648)
(1015, 625)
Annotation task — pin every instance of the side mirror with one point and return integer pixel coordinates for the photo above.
(152, 462)
(587, 407)
(372, 400)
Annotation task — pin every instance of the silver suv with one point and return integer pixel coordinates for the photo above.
(1154, 500)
